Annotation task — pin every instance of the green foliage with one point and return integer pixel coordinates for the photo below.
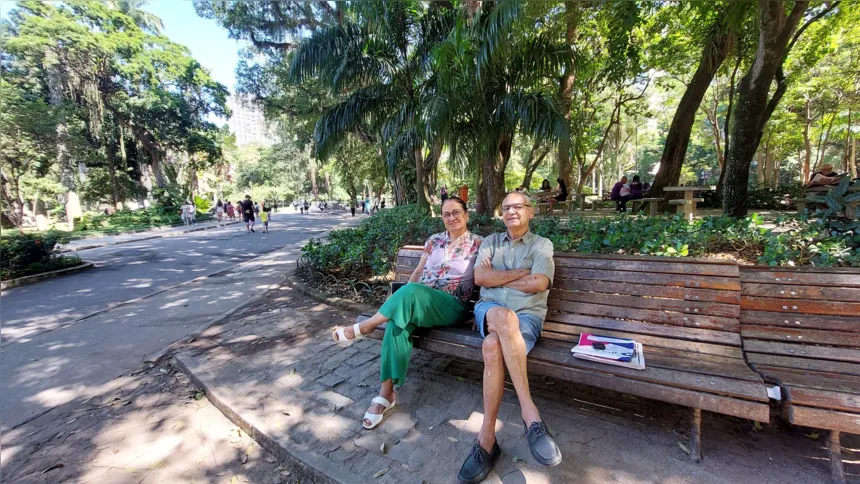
(370, 249)
(202, 204)
(134, 219)
(97, 188)
(24, 254)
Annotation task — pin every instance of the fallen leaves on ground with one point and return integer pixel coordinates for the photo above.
(684, 447)
(381, 473)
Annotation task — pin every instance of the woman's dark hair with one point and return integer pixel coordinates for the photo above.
(219, 204)
(545, 185)
(561, 183)
(636, 178)
(458, 200)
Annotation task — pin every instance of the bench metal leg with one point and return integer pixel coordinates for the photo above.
(652, 208)
(696, 436)
(835, 446)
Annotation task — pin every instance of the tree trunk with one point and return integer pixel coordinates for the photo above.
(807, 144)
(114, 185)
(399, 191)
(328, 184)
(64, 161)
(759, 168)
(431, 165)
(493, 175)
(312, 173)
(717, 47)
(849, 142)
(534, 161)
(752, 112)
(564, 166)
(14, 205)
(421, 180)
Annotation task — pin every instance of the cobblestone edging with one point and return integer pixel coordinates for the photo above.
(22, 281)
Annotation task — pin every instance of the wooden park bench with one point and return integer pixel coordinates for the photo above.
(652, 203)
(801, 329)
(684, 311)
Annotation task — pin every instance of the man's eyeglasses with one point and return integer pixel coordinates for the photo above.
(454, 214)
(516, 206)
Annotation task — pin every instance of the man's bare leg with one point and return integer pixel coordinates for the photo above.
(494, 388)
(505, 323)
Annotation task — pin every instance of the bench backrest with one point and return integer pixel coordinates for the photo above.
(683, 304)
(689, 305)
(804, 312)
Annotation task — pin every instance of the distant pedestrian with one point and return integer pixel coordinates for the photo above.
(185, 211)
(248, 213)
(256, 208)
(443, 193)
(367, 204)
(382, 204)
(307, 207)
(264, 217)
(219, 210)
(352, 207)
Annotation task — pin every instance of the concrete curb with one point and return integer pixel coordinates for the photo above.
(310, 464)
(159, 236)
(338, 302)
(22, 281)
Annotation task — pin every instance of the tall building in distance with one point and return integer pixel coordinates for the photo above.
(248, 122)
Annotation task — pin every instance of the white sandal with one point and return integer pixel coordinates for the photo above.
(339, 337)
(375, 418)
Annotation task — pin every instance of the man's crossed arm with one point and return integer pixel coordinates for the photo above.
(520, 279)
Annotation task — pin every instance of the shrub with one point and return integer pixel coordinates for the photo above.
(21, 254)
(131, 219)
(371, 248)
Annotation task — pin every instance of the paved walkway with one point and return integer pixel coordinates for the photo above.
(276, 373)
(96, 241)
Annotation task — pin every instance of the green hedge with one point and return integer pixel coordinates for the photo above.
(370, 249)
(133, 219)
(22, 255)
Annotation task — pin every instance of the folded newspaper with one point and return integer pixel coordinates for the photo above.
(612, 351)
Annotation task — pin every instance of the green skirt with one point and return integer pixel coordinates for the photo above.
(413, 306)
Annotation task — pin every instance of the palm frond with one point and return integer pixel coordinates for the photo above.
(361, 107)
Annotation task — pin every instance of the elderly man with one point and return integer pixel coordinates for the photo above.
(824, 176)
(515, 270)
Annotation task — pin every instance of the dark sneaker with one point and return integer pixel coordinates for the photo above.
(478, 464)
(542, 445)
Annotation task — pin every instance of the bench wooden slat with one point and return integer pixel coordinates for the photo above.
(677, 280)
(667, 292)
(556, 322)
(823, 399)
(818, 380)
(824, 419)
(725, 405)
(833, 323)
(620, 257)
(810, 364)
(801, 306)
(649, 266)
(801, 278)
(801, 350)
(688, 307)
(848, 294)
(808, 336)
(673, 318)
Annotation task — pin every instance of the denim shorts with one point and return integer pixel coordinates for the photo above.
(530, 325)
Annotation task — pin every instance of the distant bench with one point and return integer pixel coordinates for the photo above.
(684, 311)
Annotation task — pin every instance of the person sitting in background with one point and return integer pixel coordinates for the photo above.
(636, 191)
(646, 188)
(616, 195)
(562, 194)
(825, 176)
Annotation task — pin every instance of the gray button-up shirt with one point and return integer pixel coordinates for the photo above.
(531, 252)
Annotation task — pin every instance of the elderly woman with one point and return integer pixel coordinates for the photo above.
(435, 296)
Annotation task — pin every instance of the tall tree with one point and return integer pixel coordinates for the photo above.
(778, 32)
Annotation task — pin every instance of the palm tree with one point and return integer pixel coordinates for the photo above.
(381, 54)
(490, 83)
(145, 20)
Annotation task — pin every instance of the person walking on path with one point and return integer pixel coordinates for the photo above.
(515, 271)
(231, 212)
(435, 296)
(186, 211)
(307, 207)
(264, 217)
(219, 210)
(248, 213)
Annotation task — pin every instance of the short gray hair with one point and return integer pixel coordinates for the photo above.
(525, 196)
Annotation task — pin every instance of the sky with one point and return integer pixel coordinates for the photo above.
(209, 42)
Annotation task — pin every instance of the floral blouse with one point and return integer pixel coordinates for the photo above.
(450, 264)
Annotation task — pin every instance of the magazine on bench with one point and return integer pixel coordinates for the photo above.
(612, 351)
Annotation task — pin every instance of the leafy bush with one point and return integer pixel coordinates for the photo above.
(202, 204)
(370, 249)
(132, 219)
(25, 254)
